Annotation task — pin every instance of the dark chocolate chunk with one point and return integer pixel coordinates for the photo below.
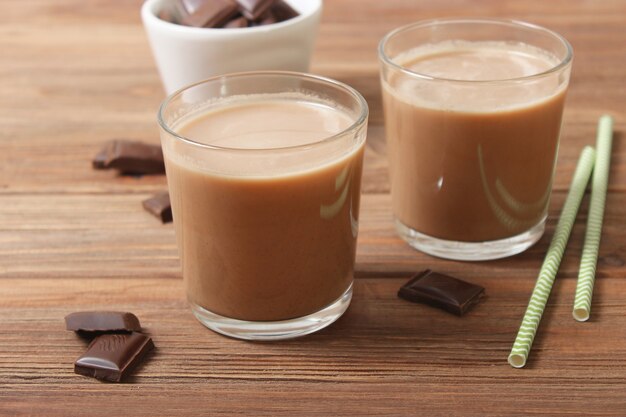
(159, 206)
(254, 9)
(267, 19)
(111, 357)
(238, 22)
(130, 157)
(442, 291)
(191, 6)
(102, 321)
(100, 160)
(207, 13)
(227, 13)
(282, 11)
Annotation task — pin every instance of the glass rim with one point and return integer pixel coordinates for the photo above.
(563, 63)
(358, 98)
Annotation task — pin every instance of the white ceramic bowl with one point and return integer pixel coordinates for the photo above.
(185, 55)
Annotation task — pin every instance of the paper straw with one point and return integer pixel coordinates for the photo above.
(589, 259)
(541, 292)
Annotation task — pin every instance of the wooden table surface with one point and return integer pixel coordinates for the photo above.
(74, 74)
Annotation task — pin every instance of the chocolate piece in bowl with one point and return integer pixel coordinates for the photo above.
(254, 9)
(130, 157)
(442, 291)
(207, 13)
(227, 13)
(191, 7)
(159, 206)
(111, 357)
(102, 321)
(282, 11)
(236, 23)
(267, 19)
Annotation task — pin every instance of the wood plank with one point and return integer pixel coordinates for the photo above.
(383, 348)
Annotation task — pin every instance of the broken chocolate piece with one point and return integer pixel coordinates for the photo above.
(238, 22)
(100, 160)
(130, 157)
(102, 321)
(227, 13)
(282, 11)
(254, 9)
(442, 291)
(159, 206)
(111, 357)
(191, 6)
(267, 19)
(207, 13)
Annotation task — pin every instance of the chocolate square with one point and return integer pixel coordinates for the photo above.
(159, 206)
(442, 291)
(111, 357)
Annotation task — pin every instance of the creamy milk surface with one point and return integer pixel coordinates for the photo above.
(477, 61)
(463, 61)
(265, 123)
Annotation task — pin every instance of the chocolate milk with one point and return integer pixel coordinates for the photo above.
(472, 163)
(266, 244)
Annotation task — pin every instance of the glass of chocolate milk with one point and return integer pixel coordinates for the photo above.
(473, 116)
(264, 174)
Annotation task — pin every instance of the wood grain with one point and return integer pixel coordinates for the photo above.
(74, 74)
(400, 356)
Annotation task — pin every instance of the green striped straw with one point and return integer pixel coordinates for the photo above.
(587, 271)
(541, 292)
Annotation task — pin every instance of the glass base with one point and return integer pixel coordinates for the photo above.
(471, 251)
(274, 330)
